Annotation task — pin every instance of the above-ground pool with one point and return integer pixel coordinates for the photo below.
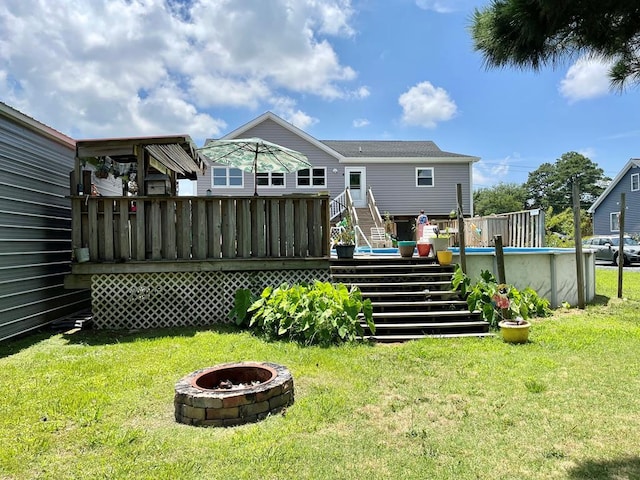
(549, 271)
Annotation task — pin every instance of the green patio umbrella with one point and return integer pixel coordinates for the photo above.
(255, 155)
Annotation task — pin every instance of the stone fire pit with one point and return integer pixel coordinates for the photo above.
(233, 394)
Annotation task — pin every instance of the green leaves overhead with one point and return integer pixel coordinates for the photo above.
(534, 33)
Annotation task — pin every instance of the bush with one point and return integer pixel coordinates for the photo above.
(321, 313)
(499, 301)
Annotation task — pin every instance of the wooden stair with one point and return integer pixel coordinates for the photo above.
(411, 298)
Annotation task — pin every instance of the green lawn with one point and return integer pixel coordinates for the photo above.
(566, 405)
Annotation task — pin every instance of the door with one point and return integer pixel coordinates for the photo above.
(356, 179)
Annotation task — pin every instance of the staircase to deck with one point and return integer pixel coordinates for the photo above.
(411, 298)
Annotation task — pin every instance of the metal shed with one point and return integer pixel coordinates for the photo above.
(35, 225)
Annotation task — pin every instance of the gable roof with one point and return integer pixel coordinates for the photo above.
(237, 133)
(634, 162)
(372, 151)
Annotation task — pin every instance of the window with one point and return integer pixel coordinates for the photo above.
(226, 177)
(424, 177)
(271, 179)
(635, 182)
(312, 177)
(614, 221)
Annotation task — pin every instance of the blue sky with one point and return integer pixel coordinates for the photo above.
(338, 69)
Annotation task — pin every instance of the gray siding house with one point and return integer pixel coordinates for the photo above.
(404, 176)
(35, 224)
(606, 208)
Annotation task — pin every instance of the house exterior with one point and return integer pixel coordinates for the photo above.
(403, 176)
(606, 208)
(35, 225)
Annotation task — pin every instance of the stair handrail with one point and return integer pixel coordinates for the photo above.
(373, 208)
(360, 233)
(338, 205)
(350, 207)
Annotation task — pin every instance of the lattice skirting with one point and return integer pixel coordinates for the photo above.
(152, 300)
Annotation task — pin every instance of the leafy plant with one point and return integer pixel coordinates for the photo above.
(322, 313)
(497, 301)
(347, 235)
(244, 298)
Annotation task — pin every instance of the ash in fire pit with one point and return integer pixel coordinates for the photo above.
(233, 394)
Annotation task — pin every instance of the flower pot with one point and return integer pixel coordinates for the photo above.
(513, 332)
(424, 249)
(82, 255)
(439, 243)
(345, 251)
(406, 248)
(444, 257)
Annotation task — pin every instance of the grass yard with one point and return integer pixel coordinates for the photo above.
(566, 405)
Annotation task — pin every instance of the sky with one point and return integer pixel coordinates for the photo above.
(338, 69)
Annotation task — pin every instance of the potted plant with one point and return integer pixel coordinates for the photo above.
(345, 240)
(406, 240)
(406, 248)
(502, 305)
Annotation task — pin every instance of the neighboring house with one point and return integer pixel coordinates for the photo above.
(606, 208)
(404, 176)
(35, 224)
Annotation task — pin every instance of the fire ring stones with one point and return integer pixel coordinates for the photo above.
(233, 394)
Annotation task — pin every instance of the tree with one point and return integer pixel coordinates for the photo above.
(538, 185)
(500, 198)
(550, 185)
(534, 33)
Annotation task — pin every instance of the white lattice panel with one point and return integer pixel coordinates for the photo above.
(152, 300)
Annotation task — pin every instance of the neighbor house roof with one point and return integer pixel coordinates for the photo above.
(634, 162)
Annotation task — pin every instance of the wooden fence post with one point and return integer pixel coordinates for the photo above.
(577, 235)
(621, 242)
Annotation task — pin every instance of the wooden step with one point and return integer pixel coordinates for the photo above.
(409, 337)
(421, 303)
(401, 326)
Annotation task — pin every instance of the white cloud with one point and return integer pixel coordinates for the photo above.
(425, 105)
(361, 122)
(286, 108)
(490, 173)
(446, 6)
(121, 67)
(588, 152)
(586, 78)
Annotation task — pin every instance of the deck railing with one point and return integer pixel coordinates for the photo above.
(200, 228)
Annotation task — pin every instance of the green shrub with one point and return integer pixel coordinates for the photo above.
(499, 301)
(320, 314)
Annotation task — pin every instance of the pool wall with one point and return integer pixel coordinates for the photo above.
(549, 271)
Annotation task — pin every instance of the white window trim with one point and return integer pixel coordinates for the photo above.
(226, 177)
(637, 177)
(433, 178)
(311, 178)
(612, 216)
(269, 180)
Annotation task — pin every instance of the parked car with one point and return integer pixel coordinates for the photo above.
(607, 248)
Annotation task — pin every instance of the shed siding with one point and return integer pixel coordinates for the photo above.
(601, 216)
(35, 230)
(393, 184)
